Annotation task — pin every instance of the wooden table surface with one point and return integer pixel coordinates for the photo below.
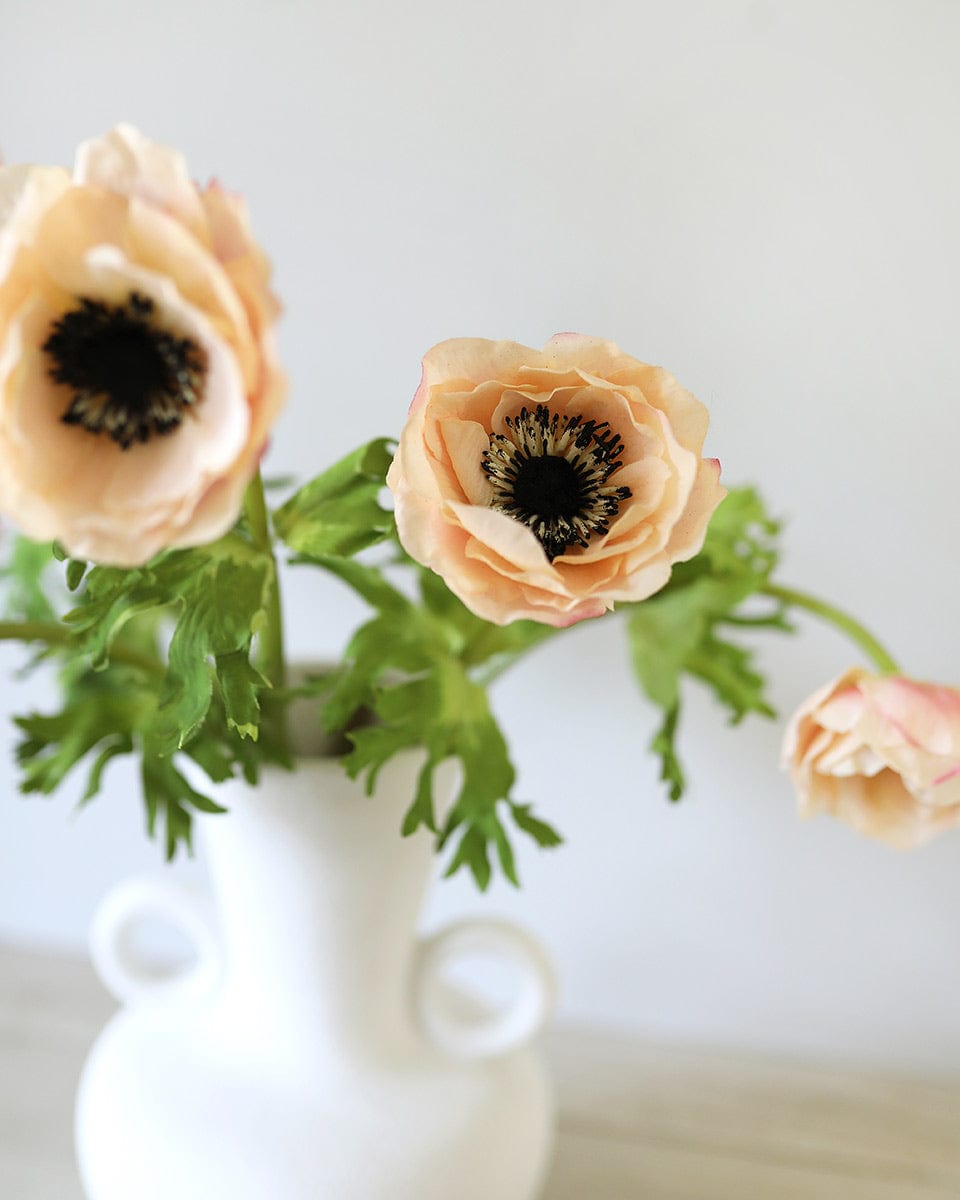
(638, 1121)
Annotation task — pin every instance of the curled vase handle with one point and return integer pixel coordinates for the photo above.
(457, 1022)
(127, 972)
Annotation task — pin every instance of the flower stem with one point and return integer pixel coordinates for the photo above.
(61, 635)
(847, 624)
(272, 660)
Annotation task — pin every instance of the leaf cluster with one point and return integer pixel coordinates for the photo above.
(157, 663)
(410, 677)
(689, 627)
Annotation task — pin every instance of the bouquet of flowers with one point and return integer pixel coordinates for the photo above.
(528, 490)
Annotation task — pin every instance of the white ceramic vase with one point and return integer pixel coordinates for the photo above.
(314, 1051)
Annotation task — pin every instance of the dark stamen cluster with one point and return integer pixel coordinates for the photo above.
(551, 472)
(130, 377)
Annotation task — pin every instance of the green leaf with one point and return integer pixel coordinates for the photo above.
(111, 598)
(123, 745)
(369, 583)
(741, 542)
(476, 641)
(504, 852)
(103, 713)
(542, 833)
(339, 513)
(210, 602)
(472, 853)
(727, 669)
(421, 811)
(403, 666)
(664, 744)
(76, 569)
(240, 686)
(168, 794)
(224, 603)
(24, 574)
(685, 629)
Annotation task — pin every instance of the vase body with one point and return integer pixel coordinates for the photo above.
(305, 1057)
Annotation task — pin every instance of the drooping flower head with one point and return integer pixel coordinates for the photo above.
(882, 753)
(138, 380)
(549, 484)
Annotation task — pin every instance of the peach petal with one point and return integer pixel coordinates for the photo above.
(125, 162)
(513, 541)
(131, 220)
(869, 750)
(473, 360)
(688, 533)
(469, 389)
(465, 443)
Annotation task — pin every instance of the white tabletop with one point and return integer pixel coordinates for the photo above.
(637, 1121)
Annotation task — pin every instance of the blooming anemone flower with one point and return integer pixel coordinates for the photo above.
(881, 753)
(549, 484)
(138, 380)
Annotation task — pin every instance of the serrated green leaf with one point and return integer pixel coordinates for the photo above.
(421, 811)
(96, 710)
(24, 575)
(677, 632)
(240, 687)
(212, 757)
(740, 542)
(123, 745)
(727, 669)
(368, 582)
(664, 745)
(111, 598)
(378, 647)
(402, 666)
(473, 640)
(178, 830)
(168, 794)
(372, 747)
(504, 852)
(542, 833)
(338, 513)
(472, 853)
(224, 604)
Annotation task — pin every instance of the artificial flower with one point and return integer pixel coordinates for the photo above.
(882, 753)
(549, 484)
(138, 379)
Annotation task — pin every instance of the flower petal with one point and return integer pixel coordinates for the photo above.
(125, 162)
(472, 389)
(871, 751)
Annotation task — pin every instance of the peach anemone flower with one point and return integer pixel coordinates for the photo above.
(882, 753)
(138, 380)
(549, 484)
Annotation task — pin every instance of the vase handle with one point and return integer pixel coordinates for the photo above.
(459, 1023)
(127, 973)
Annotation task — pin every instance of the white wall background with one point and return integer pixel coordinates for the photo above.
(760, 195)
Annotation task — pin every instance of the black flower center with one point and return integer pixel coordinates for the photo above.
(550, 473)
(131, 378)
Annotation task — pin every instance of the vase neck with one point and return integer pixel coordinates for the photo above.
(319, 896)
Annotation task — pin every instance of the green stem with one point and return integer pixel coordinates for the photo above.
(840, 620)
(61, 635)
(271, 656)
